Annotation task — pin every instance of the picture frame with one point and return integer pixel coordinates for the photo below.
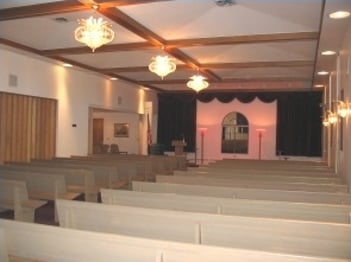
(121, 130)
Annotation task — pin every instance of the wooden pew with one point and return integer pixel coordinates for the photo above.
(256, 170)
(225, 206)
(34, 242)
(297, 166)
(157, 164)
(147, 168)
(106, 176)
(244, 193)
(40, 185)
(272, 162)
(263, 234)
(78, 180)
(222, 173)
(242, 183)
(109, 173)
(14, 196)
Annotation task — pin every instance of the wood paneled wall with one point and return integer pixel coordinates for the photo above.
(27, 127)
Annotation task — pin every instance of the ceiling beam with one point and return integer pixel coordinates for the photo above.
(133, 69)
(243, 39)
(66, 6)
(117, 3)
(299, 63)
(103, 49)
(132, 25)
(229, 80)
(19, 46)
(173, 44)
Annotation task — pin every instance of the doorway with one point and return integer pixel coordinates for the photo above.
(98, 135)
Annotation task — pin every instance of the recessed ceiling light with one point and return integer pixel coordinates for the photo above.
(319, 86)
(339, 14)
(224, 2)
(113, 78)
(66, 65)
(328, 52)
(323, 73)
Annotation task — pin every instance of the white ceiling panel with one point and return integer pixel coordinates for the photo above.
(206, 19)
(265, 72)
(298, 50)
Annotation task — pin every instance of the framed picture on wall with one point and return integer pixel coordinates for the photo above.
(121, 130)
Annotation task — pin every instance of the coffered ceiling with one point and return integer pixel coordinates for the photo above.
(247, 45)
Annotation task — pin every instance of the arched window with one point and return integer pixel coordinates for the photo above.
(235, 133)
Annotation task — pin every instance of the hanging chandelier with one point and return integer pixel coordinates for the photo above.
(197, 83)
(162, 66)
(94, 32)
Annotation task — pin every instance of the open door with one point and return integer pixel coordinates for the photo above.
(98, 135)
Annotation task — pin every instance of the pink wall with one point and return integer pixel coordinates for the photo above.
(259, 115)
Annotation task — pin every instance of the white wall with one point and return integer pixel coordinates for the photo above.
(76, 90)
(259, 115)
(345, 84)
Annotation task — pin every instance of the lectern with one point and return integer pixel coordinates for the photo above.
(178, 147)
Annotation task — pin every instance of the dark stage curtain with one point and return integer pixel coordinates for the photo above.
(299, 124)
(176, 120)
(298, 118)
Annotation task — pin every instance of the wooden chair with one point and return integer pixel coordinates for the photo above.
(105, 148)
(115, 150)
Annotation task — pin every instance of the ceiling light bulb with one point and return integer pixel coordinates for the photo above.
(318, 86)
(162, 66)
(339, 14)
(197, 83)
(323, 73)
(94, 32)
(328, 52)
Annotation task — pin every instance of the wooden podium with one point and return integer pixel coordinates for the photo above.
(178, 147)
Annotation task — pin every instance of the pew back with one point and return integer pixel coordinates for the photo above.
(78, 180)
(55, 244)
(236, 182)
(252, 176)
(288, 236)
(238, 207)
(244, 193)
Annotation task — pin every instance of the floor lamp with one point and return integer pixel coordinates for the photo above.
(260, 132)
(202, 136)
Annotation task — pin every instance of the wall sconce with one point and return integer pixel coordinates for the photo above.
(343, 108)
(332, 117)
(329, 118)
(325, 122)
